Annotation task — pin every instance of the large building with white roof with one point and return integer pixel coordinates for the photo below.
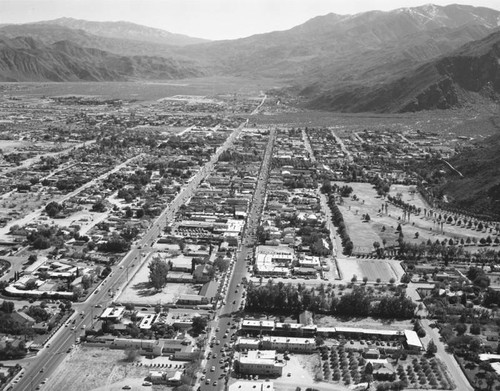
(273, 260)
(114, 314)
(283, 331)
(290, 344)
(260, 362)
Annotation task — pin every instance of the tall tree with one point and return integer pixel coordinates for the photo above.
(431, 348)
(158, 272)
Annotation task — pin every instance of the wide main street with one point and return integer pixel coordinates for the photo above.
(36, 368)
(224, 325)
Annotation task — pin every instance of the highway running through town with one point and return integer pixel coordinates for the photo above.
(224, 324)
(51, 355)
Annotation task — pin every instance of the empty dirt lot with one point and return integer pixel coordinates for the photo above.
(88, 368)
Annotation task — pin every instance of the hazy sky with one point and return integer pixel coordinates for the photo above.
(212, 19)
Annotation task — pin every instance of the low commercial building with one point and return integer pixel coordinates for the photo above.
(248, 343)
(192, 300)
(144, 346)
(147, 321)
(290, 344)
(160, 377)
(309, 262)
(273, 260)
(114, 314)
(260, 362)
(412, 341)
(300, 330)
(264, 326)
(178, 349)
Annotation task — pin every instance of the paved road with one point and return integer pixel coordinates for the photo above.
(308, 147)
(54, 352)
(28, 162)
(342, 145)
(454, 369)
(256, 110)
(225, 314)
(35, 214)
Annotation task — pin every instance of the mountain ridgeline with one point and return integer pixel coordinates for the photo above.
(409, 59)
(477, 188)
(25, 59)
(469, 74)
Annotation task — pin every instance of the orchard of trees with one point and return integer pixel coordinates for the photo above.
(293, 299)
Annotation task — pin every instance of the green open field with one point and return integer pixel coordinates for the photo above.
(373, 269)
(382, 226)
(147, 91)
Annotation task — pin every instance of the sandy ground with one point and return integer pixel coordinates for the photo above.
(301, 369)
(83, 218)
(138, 292)
(369, 323)
(24, 203)
(86, 369)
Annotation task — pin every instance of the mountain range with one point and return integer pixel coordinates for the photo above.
(409, 59)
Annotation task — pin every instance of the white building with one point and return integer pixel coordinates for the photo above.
(114, 314)
(273, 260)
(282, 344)
(260, 362)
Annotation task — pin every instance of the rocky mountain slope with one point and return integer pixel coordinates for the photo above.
(49, 34)
(26, 59)
(477, 189)
(372, 61)
(468, 74)
(343, 48)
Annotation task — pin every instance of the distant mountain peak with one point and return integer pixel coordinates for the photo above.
(126, 30)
